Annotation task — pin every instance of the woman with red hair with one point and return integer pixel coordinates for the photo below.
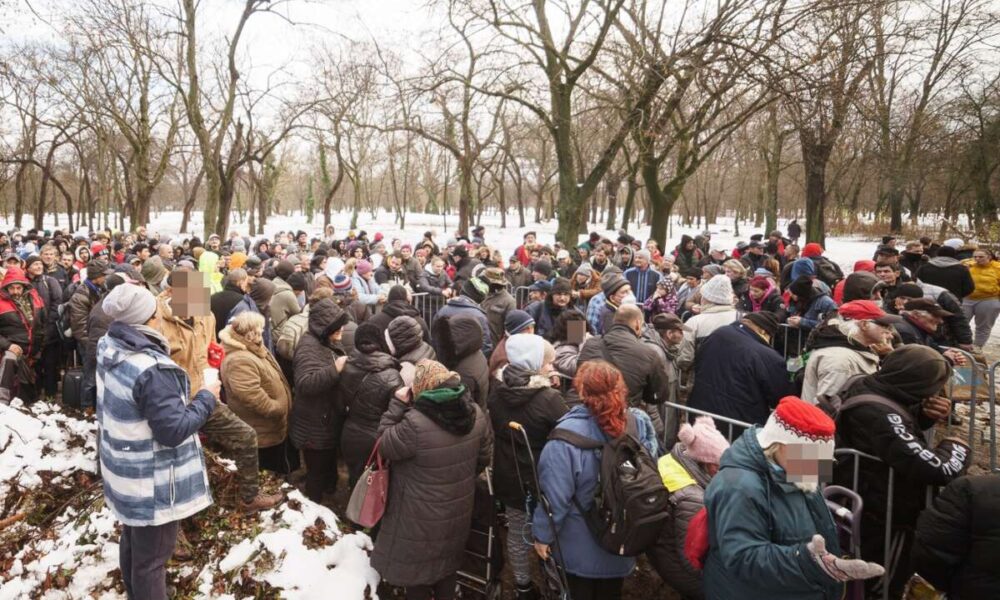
(569, 476)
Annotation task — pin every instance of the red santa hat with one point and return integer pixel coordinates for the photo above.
(798, 422)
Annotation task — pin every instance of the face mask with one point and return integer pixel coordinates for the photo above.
(629, 299)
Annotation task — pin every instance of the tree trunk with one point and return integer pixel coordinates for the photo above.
(614, 182)
(815, 157)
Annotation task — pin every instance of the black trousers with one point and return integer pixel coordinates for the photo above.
(49, 368)
(583, 588)
(321, 472)
(143, 553)
(281, 459)
(442, 590)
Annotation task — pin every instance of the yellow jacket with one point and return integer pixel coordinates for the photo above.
(987, 280)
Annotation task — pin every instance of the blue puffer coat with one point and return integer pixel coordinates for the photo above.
(758, 528)
(565, 472)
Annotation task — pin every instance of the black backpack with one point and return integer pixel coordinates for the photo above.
(631, 503)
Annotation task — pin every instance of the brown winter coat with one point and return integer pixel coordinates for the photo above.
(256, 390)
(589, 289)
(188, 343)
(431, 493)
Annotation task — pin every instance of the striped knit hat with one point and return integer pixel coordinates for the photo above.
(342, 284)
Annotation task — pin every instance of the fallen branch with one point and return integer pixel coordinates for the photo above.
(12, 519)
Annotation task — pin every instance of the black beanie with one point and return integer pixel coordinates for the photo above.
(296, 281)
(561, 286)
(284, 269)
(801, 287)
(396, 292)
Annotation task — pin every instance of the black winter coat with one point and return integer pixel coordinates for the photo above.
(460, 349)
(946, 272)
(222, 304)
(50, 292)
(957, 546)
(896, 438)
(367, 384)
(643, 367)
(431, 494)
(738, 376)
(317, 413)
(537, 409)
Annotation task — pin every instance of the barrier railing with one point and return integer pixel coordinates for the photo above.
(730, 423)
(974, 386)
(797, 337)
(428, 305)
(521, 296)
(992, 379)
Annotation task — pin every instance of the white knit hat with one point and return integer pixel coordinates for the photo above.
(718, 290)
(131, 304)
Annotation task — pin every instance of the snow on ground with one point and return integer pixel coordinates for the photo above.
(296, 548)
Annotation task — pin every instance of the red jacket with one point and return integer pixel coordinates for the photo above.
(14, 329)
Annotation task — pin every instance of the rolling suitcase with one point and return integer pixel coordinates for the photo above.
(72, 385)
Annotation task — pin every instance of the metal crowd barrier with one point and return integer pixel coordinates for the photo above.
(730, 423)
(798, 337)
(973, 399)
(428, 305)
(992, 379)
(521, 296)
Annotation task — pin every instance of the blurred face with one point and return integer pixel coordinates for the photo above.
(561, 300)
(641, 262)
(599, 256)
(85, 255)
(981, 258)
(67, 260)
(806, 465)
(791, 251)
(394, 263)
(536, 295)
(689, 245)
(529, 240)
(336, 336)
(886, 274)
(732, 273)
(407, 253)
(359, 253)
(15, 290)
(438, 266)
(144, 254)
(189, 294)
(213, 244)
(651, 245)
(756, 293)
(691, 281)
(581, 279)
(48, 256)
(36, 269)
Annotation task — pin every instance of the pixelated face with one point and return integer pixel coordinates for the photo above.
(808, 463)
(190, 295)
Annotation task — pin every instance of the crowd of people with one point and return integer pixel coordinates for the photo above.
(299, 353)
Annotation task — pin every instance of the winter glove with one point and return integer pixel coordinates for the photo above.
(841, 569)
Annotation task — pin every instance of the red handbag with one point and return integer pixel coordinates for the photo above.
(371, 492)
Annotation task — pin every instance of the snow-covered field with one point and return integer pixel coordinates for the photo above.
(68, 549)
(842, 250)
